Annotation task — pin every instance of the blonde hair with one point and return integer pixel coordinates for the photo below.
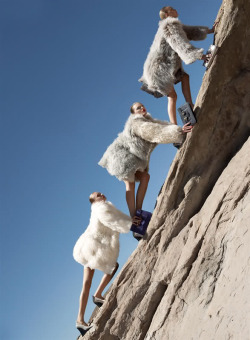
(132, 107)
(164, 11)
(91, 198)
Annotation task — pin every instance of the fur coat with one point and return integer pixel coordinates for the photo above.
(163, 66)
(130, 151)
(98, 246)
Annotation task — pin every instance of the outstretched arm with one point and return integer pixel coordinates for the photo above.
(211, 30)
(157, 132)
(177, 39)
(112, 217)
(196, 32)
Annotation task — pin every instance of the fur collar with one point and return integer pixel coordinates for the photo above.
(169, 20)
(139, 116)
(99, 204)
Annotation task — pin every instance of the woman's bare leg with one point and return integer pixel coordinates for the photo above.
(185, 86)
(172, 98)
(104, 282)
(130, 197)
(87, 280)
(142, 188)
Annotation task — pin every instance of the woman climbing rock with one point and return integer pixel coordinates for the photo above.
(128, 156)
(163, 66)
(98, 248)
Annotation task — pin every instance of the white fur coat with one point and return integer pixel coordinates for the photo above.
(163, 66)
(98, 246)
(131, 150)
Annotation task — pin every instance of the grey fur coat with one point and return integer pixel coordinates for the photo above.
(163, 66)
(98, 246)
(130, 151)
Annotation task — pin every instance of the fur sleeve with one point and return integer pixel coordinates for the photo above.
(162, 122)
(151, 119)
(158, 133)
(195, 32)
(177, 39)
(112, 217)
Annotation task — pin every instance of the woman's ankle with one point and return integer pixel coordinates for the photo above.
(82, 322)
(99, 296)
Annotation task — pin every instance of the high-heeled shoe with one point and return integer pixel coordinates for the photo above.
(137, 236)
(82, 328)
(99, 302)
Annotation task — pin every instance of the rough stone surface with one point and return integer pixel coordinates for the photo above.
(189, 279)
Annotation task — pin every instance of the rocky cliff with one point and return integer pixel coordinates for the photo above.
(190, 278)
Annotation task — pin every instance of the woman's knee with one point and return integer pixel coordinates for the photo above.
(172, 95)
(146, 177)
(115, 269)
(87, 277)
(87, 283)
(130, 186)
(185, 77)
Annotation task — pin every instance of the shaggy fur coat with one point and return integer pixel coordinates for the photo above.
(131, 150)
(98, 246)
(163, 67)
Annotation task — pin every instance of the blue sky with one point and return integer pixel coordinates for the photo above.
(69, 73)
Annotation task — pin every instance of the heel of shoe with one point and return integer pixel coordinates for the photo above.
(82, 329)
(97, 301)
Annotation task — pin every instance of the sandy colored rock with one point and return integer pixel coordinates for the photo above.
(189, 279)
(209, 291)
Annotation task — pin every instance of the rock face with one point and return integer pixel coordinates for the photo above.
(190, 278)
